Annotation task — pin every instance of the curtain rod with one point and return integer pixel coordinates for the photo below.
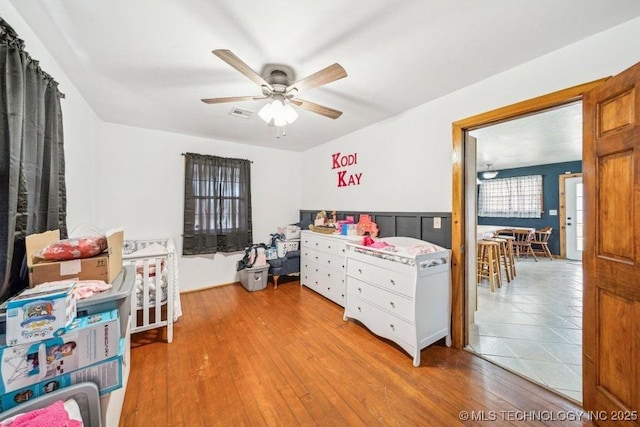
(184, 154)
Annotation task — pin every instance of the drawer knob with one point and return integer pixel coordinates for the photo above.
(359, 309)
(392, 304)
(360, 290)
(328, 261)
(393, 282)
(316, 257)
(328, 274)
(360, 270)
(393, 328)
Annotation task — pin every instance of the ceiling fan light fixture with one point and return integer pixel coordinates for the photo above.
(290, 114)
(265, 113)
(281, 114)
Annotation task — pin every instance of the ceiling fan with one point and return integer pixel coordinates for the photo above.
(278, 86)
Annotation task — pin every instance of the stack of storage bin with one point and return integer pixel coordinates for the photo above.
(88, 347)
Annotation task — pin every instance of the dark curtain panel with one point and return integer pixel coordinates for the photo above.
(217, 205)
(32, 185)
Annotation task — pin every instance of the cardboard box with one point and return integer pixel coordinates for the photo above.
(87, 341)
(254, 278)
(105, 266)
(40, 313)
(107, 375)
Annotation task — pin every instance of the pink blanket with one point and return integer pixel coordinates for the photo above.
(54, 415)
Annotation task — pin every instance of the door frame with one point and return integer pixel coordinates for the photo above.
(461, 167)
(563, 211)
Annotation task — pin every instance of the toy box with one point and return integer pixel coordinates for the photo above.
(105, 266)
(87, 340)
(39, 313)
(107, 375)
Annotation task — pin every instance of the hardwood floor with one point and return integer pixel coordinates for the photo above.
(286, 357)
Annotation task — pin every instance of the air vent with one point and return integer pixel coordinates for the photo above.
(239, 112)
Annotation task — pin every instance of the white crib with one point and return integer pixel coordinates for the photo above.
(156, 284)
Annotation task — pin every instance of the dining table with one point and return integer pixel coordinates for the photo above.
(487, 231)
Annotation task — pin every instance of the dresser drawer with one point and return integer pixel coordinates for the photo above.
(334, 262)
(380, 322)
(310, 241)
(387, 279)
(398, 305)
(334, 246)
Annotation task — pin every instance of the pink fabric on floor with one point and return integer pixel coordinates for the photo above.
(54, 415)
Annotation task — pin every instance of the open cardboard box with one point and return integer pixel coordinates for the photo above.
(104, 266)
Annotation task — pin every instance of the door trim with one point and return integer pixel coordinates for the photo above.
(563, 212)
(531, 106)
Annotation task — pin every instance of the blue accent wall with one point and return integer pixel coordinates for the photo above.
(551, 199)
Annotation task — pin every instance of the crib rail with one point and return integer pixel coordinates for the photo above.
(151, 294)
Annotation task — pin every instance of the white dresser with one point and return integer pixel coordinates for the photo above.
(322, 264)
(403, 297)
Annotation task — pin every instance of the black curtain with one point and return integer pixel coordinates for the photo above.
(32, 184)
(217, 204)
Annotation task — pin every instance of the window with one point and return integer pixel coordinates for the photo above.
(217, 205)
(517, 197)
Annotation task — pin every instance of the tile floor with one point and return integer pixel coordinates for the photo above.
(533, 325)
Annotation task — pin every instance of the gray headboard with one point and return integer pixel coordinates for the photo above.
(409, 224)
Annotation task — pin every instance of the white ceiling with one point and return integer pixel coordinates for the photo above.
(147, 63)
(552, 136)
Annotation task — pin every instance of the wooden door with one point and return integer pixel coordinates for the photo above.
(611, 257)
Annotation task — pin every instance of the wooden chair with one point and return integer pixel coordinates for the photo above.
(522, 242)
(540, 240)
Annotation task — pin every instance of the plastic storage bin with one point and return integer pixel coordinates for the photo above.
(117, 297)
(254, 278)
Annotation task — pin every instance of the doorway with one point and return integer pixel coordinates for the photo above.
(464, 229)
(572, 192)
(529, 323)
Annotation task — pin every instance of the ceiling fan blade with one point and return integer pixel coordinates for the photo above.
(326, 75)
(232, 99)
(231, 59)
(316, 108)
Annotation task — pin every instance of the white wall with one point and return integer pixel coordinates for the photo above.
(405, 161)
(119, 175)
(141, 187)
(124, 176)
(79, 121)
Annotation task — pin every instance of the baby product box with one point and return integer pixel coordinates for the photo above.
(107, 375)
(104, 266)
(39, 313)
(88, 340)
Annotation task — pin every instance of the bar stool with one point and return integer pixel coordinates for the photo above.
(503, 255)
(512, 258)
(510, 250)
(488, 263)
